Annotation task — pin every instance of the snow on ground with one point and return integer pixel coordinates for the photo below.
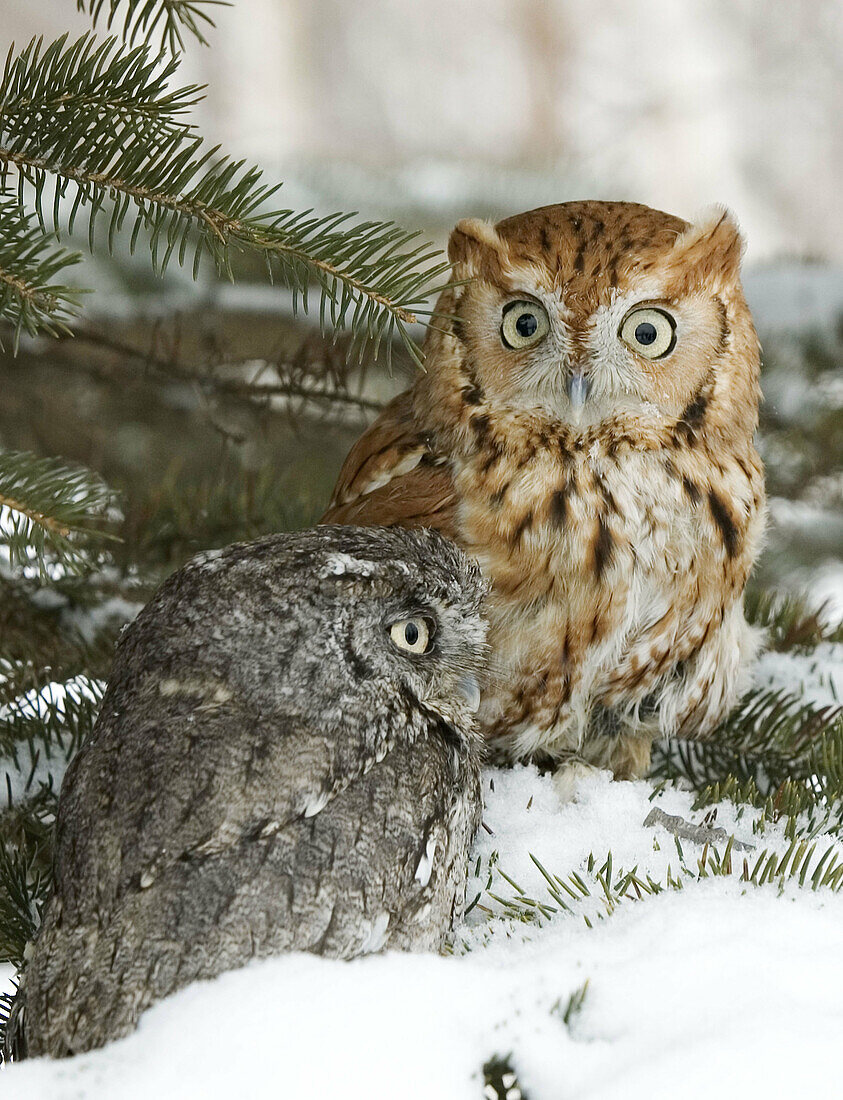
(7, 978)
(721, 986)
(815, 676)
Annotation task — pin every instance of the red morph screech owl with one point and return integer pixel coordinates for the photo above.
(584, 429)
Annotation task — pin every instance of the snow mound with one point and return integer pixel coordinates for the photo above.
(719, 981)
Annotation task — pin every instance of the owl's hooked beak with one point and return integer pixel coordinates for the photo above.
(578, 387)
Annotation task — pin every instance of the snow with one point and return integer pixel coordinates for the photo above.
(719, 981)
(7, 978)
(113, 611)
(827, 590)
(36, 764)
(29, 771)
(816, 676)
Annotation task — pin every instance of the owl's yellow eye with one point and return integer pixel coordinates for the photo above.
(412, 635)
(523, 324)
(649, 332)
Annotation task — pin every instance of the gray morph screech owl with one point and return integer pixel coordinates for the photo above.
(584, 429)
(285, 759)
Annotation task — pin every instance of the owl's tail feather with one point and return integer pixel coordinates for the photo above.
(93, 974)
(68, 1001)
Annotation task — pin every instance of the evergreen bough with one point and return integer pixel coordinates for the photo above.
(98, 122)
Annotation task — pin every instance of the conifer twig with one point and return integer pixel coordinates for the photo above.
(89, 79)
(132, 152)
(169, 368)
(142, 18)
(687, 830)
(30, 298)
(50, 509)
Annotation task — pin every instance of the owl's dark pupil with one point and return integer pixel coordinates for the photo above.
(411, 633)
(526, 324)
(645, 333)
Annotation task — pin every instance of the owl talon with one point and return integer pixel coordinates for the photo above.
(568, 778)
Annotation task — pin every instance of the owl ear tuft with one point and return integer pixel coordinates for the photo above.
(474, 249)
(712, 247)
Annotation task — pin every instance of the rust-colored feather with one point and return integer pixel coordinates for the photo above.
(391, 478)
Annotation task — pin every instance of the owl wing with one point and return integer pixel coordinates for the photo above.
(381, 864)
(393, 477)
(187, 782)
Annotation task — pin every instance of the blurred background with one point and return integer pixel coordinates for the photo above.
(426, 111)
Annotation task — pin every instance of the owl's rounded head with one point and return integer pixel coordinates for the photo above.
(335, 621)
(588, 310)
(415, 621)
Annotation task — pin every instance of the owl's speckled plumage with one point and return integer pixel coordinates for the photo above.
(268, 773)
(617, 533)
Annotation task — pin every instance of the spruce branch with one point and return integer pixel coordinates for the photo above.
(50, 721)
(774, 752)
(22, 895)
(25, 678)
(770, 737)
(157, 175)
(290, 377)
(141, 18)
(31, 301)
(49, 510)
(71, 633)
(89, 80)
(789, 623)
(595, 890)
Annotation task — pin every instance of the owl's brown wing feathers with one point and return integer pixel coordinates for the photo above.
(392, 478)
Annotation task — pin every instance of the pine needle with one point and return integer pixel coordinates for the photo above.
(31, 301)
(142, 18)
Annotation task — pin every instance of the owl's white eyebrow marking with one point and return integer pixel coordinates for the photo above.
(425, 867)
(338, 564)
